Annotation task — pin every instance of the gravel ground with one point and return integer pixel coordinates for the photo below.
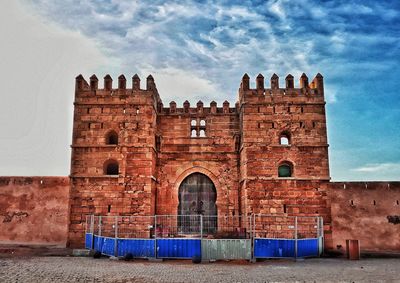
(86, 269)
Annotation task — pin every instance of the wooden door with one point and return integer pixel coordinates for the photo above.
(197, 196)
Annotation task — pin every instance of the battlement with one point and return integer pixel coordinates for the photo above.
(315, 89)
(200, 109)
(82, 87)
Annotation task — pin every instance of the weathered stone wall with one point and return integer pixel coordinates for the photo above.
(237, 148)
(292, 198)
(34, 210)
(214, 155)
(266, 114)
(131, 114)
(367, 211)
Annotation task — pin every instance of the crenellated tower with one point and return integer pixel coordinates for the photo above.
(113, 163)
(284, 149)
(132, 156)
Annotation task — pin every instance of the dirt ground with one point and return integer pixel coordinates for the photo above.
(87, 269)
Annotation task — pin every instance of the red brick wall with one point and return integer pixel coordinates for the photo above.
(355, 216)
(215, 155)
(34, 210)
(266, 113)
(131, 113)
(240, 152)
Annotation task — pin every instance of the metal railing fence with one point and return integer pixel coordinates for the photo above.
(211, 237)
(205, 226)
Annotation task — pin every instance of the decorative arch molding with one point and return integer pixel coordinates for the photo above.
(202, 170)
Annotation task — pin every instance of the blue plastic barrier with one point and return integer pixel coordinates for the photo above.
(108, 246)
(276, 248)
(178, 248)
(104, 245)
(189, 248)
(88, 241)
(307, 247)
(98, 243)
(270, 248)
(139, 248)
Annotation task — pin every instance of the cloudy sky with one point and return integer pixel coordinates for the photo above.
(200, 50)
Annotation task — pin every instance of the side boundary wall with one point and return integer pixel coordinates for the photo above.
(368, 212)
(34, 210)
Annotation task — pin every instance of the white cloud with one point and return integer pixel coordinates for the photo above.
(179, 85)
(382, 168)
(277, 8)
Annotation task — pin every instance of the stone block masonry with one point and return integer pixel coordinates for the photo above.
(265, 155)
(241, 150)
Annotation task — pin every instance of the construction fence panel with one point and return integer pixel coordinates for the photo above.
(206, 237)
(286, 236)
(230, 240)
(178, 236)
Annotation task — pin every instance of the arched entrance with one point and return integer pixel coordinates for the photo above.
(197, 196)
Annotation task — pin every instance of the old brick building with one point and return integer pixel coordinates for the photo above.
(131, 155)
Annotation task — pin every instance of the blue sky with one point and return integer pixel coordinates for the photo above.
(200, 50)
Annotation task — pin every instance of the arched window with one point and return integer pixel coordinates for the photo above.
(284, 138)
(202, 134)
(112, 138)
(202, 123)
(285, 170)
(111, 167)
(193, 123)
